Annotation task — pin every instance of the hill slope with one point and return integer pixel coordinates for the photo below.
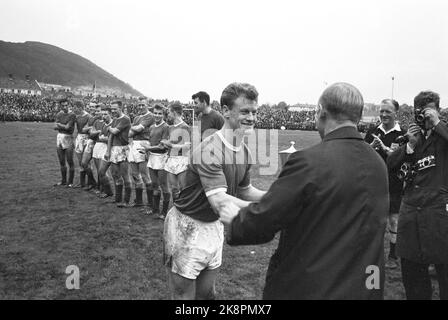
(50, 64)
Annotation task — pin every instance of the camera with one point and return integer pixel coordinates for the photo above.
(401, 140)
(419, 117)
(405, 171)
(425, 163)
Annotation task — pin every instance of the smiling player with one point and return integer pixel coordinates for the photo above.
(218, 172)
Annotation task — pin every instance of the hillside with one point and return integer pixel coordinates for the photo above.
(50, 64)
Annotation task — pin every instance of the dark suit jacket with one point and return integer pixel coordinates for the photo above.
(423, 220)
(330, 203)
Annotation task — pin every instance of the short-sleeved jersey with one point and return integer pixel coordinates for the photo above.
(146, 120)
(123, 124)
(179, 134)
(81, 122)
(96, 125)
(157, 133)
(66, 118)
(105, 129)
(215, 165)
(92, 120)
(212, 121)
(389, 139)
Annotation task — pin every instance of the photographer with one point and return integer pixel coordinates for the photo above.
(383, 139)
(423, 219)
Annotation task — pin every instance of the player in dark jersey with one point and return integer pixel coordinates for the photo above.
(82, 118)
(156, 162)
(211, 120)
(117, 153)
(384, 139)
(99, 151)
(65, 125)
(139, 133)
(218, 173)
(178, 144)
(95, 111)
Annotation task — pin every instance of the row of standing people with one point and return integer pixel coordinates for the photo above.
(146, 154)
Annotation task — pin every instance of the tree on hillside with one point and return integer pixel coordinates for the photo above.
(282, 106)
(405, 115)
(215, 105)
(444, 114)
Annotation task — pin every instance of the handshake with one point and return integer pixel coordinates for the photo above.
(228, 212)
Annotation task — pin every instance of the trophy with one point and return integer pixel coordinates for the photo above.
(284, 155)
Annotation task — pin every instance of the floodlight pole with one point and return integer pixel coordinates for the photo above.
(393, 78)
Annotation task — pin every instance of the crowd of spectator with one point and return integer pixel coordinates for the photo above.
(270, 118)
(15, 107)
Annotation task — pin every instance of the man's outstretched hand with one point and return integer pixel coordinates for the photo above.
(228, 212)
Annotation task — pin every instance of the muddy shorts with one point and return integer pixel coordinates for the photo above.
(137, 151)
(89, 146)
(81, 142)
(99, 150)
(176, 164)
(156, 161)
(190, 245)
(64, 141)
(119, 154)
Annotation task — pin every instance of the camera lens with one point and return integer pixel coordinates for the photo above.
(420, 118)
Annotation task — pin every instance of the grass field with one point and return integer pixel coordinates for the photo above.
(44, 229)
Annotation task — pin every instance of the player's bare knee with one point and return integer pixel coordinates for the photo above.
(182, 291)
(146, 180)
(207, 295)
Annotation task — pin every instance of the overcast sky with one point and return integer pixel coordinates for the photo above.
(288, 49)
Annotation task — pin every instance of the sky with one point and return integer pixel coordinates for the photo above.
(289, 50)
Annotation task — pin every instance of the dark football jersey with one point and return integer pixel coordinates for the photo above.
(66, 118)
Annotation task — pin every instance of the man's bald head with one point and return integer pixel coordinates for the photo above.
(343, 102)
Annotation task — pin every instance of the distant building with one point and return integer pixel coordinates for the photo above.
(20, 86)
(302, 107)
(369, 118)
(96, 91)
(53, 88)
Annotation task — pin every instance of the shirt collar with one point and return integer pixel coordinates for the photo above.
(176, 125)
(395, 128)
(158, 125)
(227, 143)
(347, 132)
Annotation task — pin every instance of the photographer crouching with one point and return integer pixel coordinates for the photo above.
(423, 218)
